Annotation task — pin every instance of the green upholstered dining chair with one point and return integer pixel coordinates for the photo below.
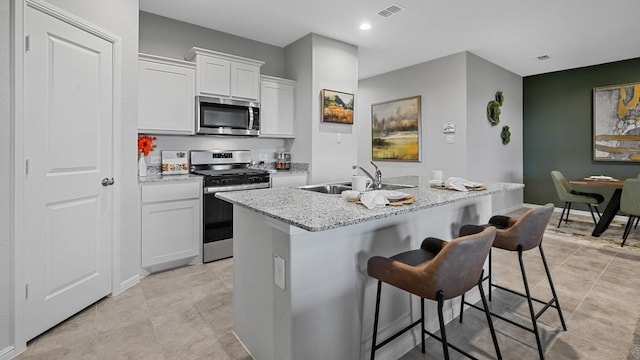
(630, 204)
(567, 194)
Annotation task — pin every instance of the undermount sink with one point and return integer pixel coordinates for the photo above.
(338, 188)
(332, 189)
(395, 186)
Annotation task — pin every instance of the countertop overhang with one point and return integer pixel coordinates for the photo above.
(313, 211)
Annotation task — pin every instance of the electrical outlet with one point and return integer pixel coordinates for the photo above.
(262, 157)
(278, 271)
(154, 160)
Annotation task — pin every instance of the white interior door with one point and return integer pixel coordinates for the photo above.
(68, 78)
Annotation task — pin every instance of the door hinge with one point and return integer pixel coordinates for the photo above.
(27, 43)
(26, 167)
(26, 290)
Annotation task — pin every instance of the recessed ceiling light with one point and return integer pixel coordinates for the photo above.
(365, 26)
(544, 57)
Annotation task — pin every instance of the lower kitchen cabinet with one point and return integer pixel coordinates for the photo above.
(171, 222)
(286, 179)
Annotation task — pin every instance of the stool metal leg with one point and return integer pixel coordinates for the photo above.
(553, 288)
(443, 333)
(530, 303)
(423, 330)
(488, 315)
(375, 321)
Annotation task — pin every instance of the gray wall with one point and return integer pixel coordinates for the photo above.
(6, 291)
(487, 157)
(558, 128)
(441, 85)
(171, 38)
(455, 89)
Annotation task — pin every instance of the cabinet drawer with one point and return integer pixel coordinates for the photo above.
(170, 192)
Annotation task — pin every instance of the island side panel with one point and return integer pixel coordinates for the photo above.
(326, 309)
(253, 301)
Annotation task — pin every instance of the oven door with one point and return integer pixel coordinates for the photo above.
(217, 235)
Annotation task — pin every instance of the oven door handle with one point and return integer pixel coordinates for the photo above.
(215, 189)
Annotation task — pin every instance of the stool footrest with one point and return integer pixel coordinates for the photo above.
(547, 304)
(501, 317)
(394, 336)
(451, 345)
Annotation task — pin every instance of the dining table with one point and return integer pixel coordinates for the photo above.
(603, 182)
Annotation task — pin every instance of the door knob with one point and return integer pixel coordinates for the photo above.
(107, 181)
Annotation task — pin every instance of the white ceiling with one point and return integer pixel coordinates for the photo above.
(509, 33)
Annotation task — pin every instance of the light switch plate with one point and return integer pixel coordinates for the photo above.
(279, 271)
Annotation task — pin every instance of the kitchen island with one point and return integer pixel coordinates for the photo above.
(301, 289)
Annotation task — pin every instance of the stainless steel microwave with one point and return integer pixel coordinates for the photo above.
(221, 116)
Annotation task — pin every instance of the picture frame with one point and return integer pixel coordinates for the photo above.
(616, 134)
(337, 107)
(396, 130)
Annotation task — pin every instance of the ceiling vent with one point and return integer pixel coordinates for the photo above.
(390, 10)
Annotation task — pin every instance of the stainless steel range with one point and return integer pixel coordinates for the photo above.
(223, 171)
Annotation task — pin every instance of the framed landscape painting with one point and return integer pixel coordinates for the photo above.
(616, 130)
(395, 130)
(337, 107)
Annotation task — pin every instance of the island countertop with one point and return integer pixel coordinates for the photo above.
(314, 211)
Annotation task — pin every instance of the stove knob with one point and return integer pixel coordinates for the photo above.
(224, 181)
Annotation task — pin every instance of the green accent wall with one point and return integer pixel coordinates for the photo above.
(557, 128)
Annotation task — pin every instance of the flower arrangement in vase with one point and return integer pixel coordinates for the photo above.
(145, 146)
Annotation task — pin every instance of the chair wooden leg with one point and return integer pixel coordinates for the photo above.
(530, 303)
(443, 333)
(488, 315)
(553, 288)
(375, 322)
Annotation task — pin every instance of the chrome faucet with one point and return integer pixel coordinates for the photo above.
(377, 180)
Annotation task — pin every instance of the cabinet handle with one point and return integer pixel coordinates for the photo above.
(107, 181)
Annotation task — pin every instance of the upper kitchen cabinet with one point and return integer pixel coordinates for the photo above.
(219, 74)
(277, 107)
(166, 95)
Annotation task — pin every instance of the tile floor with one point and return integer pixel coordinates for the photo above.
(187, 313)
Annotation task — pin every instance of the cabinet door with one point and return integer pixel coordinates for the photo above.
(293, 180)
(277, 109)
(245, 81)
(170, 231)
(166, 98)
(214, 76)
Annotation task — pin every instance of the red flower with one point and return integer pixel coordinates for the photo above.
(145, 144)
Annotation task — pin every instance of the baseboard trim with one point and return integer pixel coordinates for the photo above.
(127, 284)
(8, 353)
(620, 218)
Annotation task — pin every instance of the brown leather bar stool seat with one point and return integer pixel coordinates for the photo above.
(519, 235)
(439, 270)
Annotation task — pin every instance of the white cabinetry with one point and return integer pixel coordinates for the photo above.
(277, 107)
(286, 179)
(166, 95)
(171, 222)
(219, 74)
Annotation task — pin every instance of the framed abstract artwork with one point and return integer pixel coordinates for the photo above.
(616, 123)
(337, 107)
(395, 129)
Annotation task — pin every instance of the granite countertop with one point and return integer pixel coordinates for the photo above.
(314, 211)
(155, 178)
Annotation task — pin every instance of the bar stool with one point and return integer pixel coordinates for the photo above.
(439, 270)
(521, 235)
